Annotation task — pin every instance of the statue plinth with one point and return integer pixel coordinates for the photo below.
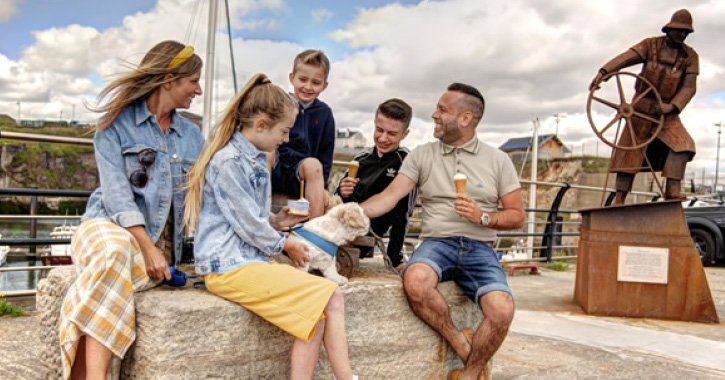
(639, 261)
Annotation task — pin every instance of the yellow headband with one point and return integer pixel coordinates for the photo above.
(180, 58)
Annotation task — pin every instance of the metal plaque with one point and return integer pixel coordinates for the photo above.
(643, 264)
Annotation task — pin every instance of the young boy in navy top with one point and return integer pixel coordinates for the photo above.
(378, 167)
(308, 154)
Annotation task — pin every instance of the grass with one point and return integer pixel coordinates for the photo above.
(32, 165)
(559, 266)
(595, 164)
(9, 310)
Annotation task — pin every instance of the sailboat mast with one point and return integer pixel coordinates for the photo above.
(209, 71)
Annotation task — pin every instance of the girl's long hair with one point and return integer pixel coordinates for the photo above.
(259, 97)
(143, 80)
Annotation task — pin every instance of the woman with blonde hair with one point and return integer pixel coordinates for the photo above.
(132, 227)
(228, 202)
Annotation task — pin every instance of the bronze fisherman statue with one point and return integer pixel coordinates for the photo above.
(671, 67)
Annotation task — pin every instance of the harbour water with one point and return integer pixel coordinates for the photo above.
(19, 257)
(21, 280)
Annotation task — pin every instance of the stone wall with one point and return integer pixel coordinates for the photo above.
(191, 334)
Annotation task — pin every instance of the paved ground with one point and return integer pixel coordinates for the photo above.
(550, 338)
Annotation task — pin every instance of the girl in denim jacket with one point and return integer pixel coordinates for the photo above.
(143, 149)
(229, 201)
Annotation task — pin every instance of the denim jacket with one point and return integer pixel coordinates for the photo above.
(116, 151)
(233, 228)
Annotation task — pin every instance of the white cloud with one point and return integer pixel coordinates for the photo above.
(68, 50)
(8, 8)
(529, 58)
(321, 15)
(63, 66)
(258, 24)
(239, 9)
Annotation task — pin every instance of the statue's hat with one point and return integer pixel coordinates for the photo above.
(681, 19)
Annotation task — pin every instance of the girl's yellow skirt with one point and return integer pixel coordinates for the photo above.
(284, 296)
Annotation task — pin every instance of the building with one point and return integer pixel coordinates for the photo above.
(349, 141)
(39, 123)
(550, 147)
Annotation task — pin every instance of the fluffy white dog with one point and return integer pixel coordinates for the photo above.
(339, 226)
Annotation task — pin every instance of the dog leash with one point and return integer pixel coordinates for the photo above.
(179, 278)
(293, 228)
(381, 247)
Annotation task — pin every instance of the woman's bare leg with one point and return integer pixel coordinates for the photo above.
(97, 359)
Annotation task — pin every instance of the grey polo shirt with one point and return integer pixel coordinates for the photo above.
(431, 166)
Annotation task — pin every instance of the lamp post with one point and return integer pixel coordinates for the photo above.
(557, 117)
(532, 188)
(717, 161)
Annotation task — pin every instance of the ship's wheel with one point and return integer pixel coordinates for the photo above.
(622, 110)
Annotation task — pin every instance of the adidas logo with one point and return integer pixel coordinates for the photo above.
(391, 172)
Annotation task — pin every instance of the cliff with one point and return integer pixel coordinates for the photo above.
(47, 166)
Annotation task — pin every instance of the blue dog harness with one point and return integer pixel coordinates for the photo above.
(325, 245)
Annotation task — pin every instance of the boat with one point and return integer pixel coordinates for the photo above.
(60, 254)
(4, 249)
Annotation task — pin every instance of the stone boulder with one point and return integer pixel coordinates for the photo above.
(190, 333)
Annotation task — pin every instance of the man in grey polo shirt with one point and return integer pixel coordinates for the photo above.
(458, 229)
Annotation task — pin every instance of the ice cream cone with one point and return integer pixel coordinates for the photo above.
(352, 170)
(460, 180)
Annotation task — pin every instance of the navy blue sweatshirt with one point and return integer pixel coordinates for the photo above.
(313, 135)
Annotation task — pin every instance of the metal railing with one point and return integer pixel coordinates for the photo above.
(549, 236)
(32, 137)
(552, 225)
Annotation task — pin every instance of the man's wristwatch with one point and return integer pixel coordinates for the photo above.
(485, 219)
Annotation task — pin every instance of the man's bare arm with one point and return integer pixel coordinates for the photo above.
(512, 216)
(386, 200)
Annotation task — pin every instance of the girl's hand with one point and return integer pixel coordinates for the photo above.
(297, 252)
(284, 219)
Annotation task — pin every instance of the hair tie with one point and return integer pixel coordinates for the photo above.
(181, 57)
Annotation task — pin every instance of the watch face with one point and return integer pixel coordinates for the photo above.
(485, 219)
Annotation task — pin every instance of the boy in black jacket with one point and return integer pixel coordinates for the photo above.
(308, 154)
(378, 167)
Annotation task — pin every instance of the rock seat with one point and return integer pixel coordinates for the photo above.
(190, 333)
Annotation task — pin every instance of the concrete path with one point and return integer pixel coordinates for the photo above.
(551, 338)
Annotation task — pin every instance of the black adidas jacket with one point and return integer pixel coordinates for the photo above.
(375, 175)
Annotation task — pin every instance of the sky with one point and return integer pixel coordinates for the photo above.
(530, 58)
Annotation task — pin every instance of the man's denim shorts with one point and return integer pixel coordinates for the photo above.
(472, 264)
